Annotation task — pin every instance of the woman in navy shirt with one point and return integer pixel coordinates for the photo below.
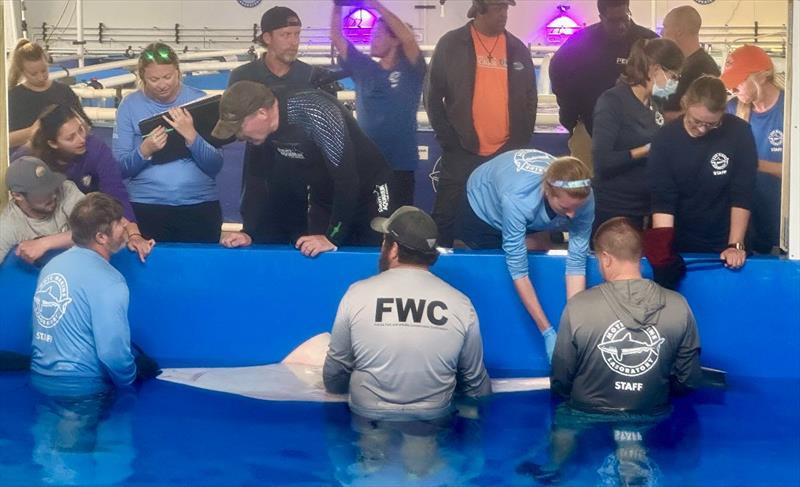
(701, 172)
(625, 123)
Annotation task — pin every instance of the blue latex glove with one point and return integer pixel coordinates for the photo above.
(549, 336)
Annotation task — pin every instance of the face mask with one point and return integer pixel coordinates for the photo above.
(667, 90)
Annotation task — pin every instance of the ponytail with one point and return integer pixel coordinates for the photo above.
(25, 50)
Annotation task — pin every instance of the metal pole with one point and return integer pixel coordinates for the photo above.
(653, 16)
(791, 224)
(79, 37)
(3, 118)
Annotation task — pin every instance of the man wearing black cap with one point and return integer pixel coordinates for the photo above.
(418, 339)
(273, 190)
(481, 100)
(36, 217)
(345, 171)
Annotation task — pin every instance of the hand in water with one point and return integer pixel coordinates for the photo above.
(549, 336)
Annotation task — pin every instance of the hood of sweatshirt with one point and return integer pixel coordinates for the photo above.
(636, 302)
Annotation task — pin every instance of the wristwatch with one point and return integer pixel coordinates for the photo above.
(736, 245)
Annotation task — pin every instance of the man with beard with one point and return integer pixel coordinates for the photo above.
(36, 217)
(81, 338)
(405, 341)
(274, 195)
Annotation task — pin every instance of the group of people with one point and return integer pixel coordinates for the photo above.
(657, 150)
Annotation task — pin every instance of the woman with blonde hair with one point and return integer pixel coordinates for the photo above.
(527, 191)
(178, 200)
(30, 91)
(759, 99)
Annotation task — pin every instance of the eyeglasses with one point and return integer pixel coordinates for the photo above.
(699, 124)
(163, 53)
(671, 75)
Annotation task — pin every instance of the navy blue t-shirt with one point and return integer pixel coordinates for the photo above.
(387, 103)
(699, 179)
(768, 132)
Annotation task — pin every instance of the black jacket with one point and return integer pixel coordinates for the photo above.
(621, 347)
(585, 66)
(451, 84)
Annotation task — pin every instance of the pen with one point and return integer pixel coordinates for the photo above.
(166, 130)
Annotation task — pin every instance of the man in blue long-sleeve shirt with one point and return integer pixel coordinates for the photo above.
(81, 337)
(525, 191)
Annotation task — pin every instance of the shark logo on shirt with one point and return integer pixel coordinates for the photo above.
(51, 300)
(627, 355)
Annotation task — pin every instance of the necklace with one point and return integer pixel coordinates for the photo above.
(488, 51)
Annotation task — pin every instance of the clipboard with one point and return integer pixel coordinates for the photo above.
(205, 113)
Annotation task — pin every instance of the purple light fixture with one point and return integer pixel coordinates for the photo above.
(560, 28)
(358, 24)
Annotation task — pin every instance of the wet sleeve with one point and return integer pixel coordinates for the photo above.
(686, 371)
(565, 358)
(663, 188)
(434, 99)
(326, 126)
(609, 115)
(339, 361)
(110, 179)
(109, 310)
(255, 193)
(745, 168)
(514, 230)
(125, 142)
(472, 378)
(580, 232)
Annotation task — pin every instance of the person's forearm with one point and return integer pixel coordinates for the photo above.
(61, 240)
(20, 137)
(395, 24)
(663, 220)
(575, 284)
(527, 295)
(132, 228)
(771, 168)
(338, 40)
(739, 220)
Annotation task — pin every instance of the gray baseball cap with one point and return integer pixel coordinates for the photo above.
(239, 100)
(30, 175)
(411, 227)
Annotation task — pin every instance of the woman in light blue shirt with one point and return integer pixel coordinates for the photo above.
(526, 191)
(178, 200)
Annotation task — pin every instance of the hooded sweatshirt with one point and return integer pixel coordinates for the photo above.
(621, 345)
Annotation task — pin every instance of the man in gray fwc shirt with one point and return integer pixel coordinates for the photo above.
(622, 347)
(405, 341)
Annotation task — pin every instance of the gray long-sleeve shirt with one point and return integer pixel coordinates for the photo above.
(403, 343)
(620, 346)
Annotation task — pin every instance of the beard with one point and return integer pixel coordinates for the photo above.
(383, 260)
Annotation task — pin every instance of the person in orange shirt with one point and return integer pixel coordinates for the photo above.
(481, 101)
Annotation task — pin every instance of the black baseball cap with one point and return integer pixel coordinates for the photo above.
(410, 227)
(30, 175)
(278, 18)
(473, 10)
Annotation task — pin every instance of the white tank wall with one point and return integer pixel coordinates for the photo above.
(527, 18)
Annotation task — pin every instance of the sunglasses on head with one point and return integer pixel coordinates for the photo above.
(162, 53)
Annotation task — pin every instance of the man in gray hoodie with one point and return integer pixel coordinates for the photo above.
(622, 345)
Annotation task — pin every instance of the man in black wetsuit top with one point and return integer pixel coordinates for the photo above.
(345, 171)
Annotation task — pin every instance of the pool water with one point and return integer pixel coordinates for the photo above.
(168, 434)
